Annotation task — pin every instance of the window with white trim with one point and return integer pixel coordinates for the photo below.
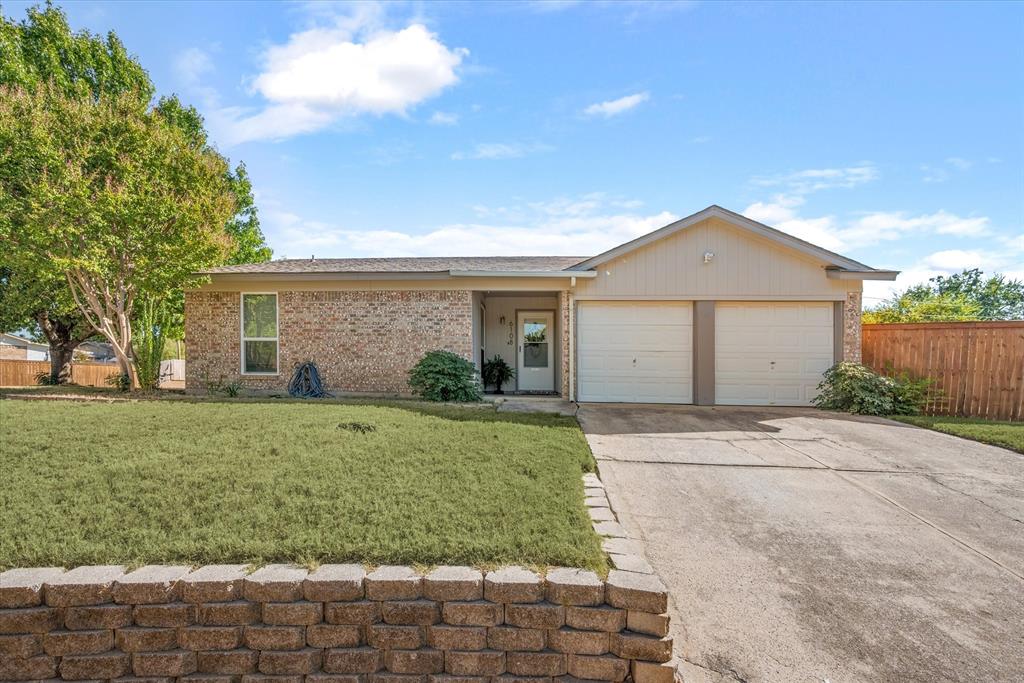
(259, 334)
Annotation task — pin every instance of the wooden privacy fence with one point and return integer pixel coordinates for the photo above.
(22, 373)
(977, 367)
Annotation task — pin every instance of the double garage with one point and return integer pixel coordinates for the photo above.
(706, 352)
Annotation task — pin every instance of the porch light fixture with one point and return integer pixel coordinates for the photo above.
(708, 255)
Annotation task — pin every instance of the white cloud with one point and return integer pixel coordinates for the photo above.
(863, 231)
(955, 260)
(190, 67)
(885, 225)
(615, 107)
(957, 162)
(322, 75)
(192, 64)
(934, 174)
(501, 150)
(815, 179)
(582, 226)
(941, 173)
(441, 118)
(700, 140)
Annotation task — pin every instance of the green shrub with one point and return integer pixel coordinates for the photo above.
(119, 380)
(854, 388)
(445, 376)
(46, 379)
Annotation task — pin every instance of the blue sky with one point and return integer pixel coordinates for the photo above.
(890, 132)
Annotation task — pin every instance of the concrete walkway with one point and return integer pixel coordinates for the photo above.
(800, 545)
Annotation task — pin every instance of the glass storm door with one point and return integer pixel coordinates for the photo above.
(536, 371)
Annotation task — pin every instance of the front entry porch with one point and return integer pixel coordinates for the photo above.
(529, 331)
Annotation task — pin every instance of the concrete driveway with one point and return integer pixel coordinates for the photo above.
(800, 545)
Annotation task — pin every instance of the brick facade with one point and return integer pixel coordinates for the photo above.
(361, 340)
(851, 327)
(338, 623)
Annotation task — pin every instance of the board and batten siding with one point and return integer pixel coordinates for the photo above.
(744, 266)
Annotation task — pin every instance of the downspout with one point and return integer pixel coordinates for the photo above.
(572, 339)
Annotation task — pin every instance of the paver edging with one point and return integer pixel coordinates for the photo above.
(632, 582)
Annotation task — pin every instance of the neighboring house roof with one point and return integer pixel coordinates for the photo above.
(837, 266)
(96, 350)
(21, 342)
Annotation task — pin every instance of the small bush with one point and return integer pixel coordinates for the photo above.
(46, 379)
(122, 381)
(854, 388)
(445, 376)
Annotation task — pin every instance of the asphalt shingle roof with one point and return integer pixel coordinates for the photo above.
(428, 264)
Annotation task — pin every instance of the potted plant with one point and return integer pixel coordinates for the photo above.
(497, 372)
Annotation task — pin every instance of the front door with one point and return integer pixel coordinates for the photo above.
(536, 371)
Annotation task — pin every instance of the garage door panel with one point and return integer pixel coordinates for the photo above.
(635, 352)
(771, 353)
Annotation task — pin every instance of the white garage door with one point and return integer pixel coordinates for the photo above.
(771, 353)
(635, 352)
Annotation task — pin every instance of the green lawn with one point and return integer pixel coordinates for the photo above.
(92, 482)
(1006, 434)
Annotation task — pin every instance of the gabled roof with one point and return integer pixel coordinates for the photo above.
(15, 340)
(836, 263)
(837, 266)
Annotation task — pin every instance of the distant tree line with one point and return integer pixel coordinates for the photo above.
(964, 296)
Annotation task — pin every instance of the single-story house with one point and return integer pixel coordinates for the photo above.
(14, 347)
(712, 309)
(95, 352)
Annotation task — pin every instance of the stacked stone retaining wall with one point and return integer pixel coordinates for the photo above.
(280, 623)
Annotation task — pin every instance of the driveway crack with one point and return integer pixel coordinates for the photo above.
(932, 478)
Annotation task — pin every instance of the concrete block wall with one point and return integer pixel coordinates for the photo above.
(225, 624)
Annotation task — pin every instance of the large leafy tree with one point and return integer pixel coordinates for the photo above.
(42, 49)
(964, 296)
(115, 196)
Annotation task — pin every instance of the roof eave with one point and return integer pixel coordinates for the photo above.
(401, 275)
(870, 274)
(524, 273)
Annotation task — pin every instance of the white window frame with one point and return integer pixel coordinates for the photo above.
(275, 339)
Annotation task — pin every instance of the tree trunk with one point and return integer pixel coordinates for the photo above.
(60, 335)
(127, 366)
(61, 356)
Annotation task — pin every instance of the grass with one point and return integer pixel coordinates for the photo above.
(157, 481)
(1006, 434)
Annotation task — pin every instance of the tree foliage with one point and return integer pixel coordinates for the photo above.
(963, 296)
(42, 51)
